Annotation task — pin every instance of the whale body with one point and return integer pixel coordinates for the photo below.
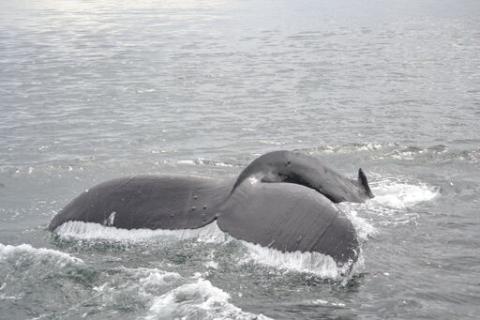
(285, 206)
(299, 168)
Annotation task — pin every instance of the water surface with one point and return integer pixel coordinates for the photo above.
(91, 90)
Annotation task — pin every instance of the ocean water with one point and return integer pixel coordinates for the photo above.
(92, 90)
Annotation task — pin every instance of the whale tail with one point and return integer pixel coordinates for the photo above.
(363, 182)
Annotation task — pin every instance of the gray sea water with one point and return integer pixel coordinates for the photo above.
(91, 90)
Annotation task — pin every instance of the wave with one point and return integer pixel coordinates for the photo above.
(28, 273)
(27, 255)
(76, 168)
(412, 152)
(133, 286)
(166, 295)
(148, 293)
(344, 148)
(204, 162)
(379, 151)
(197, 300)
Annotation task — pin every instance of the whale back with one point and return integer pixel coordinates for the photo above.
(298, 168)
(153, 202)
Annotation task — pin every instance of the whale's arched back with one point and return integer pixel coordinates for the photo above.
(298, 168)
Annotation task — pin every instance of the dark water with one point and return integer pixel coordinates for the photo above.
(91, 90)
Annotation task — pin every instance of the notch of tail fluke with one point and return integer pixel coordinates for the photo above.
(363, 182)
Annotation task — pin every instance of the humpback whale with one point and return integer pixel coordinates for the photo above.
(288, 205)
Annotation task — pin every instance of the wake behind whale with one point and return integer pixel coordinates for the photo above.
(289, 206)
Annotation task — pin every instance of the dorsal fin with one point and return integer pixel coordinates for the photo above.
(363, 182)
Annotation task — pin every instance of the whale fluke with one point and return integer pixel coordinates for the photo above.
(290, 208)
(289, 217)
(152, 202)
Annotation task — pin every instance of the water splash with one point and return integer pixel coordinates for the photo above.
(309, 262)
(197, 300)
(363, 228)
(77, 230)
(27, 255)
(394, 203)
(401, 195)
(316, 263)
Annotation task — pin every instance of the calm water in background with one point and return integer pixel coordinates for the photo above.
(91, 90)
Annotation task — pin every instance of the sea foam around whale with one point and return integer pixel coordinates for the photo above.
(160, 294)
(310, 262)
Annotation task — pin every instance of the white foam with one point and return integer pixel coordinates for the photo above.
(187, 162)
(197, 300)
(77, 230)
(203, 162)
(362, 227)
(404, 155)
(138, 285)
(223, 164)
(309, 262)
(253, 180)
(326, 303)
(400, 195)
(211, 264)
(349, 148)
(152, 277)
(392, 199)
(158, 278)
(36, 255)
